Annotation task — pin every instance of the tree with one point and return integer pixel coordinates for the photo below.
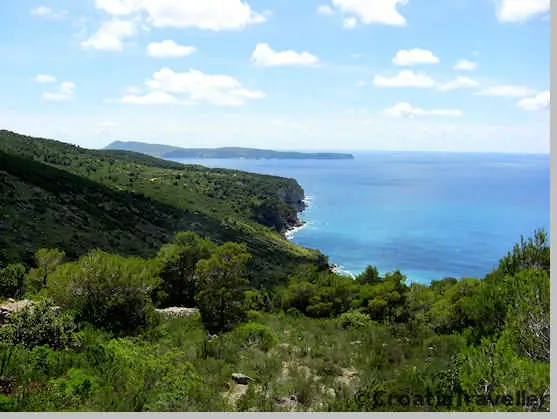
(533, 253)
(106, 290)
(11, 280)
(369, 276)
(46, 260)
(177, 264)
(528, 320)
(222, 286)
(386, 300)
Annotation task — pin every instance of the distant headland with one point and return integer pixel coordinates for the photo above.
(172, 153)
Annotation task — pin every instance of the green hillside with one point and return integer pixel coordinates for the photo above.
(60, 195)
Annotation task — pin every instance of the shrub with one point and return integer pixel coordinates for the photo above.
(106, 290)
(39, 324)
(254, 316)
(255, 334)
(11, 281)
(354, 320)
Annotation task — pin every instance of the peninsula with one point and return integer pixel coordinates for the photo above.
(172, 153)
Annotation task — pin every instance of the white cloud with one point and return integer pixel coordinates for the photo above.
(44, 78)
(458, 83)
(520, 10)
(361, 83)
(405, 109)
(108, 124)
(248, 94)
(414, 56)
(466, 65)
(325, 10)
(169, 87)
(539, 102)
(350, 22)
(132, 90)
(48, 13)
(507, 91)
(168, 48)
(65, 92)
(265, 56)
(119, 7)
(405, 78)
(111, 35)
(213, 15)
(373, 11)
(152, 98)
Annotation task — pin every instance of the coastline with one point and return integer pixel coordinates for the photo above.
(299, 224)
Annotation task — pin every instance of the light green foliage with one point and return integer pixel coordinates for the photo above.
(255, 334)
(452, 311)
(341, 340)
(354, 320)
(39, 324)
(222, 286)
(147, 378)
(528, 320)
(46, 261)
(106, 290)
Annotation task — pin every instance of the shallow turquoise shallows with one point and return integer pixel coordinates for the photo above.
(430, 215)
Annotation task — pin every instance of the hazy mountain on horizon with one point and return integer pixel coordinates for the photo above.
(172, 152)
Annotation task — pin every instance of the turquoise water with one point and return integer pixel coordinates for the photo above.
(431, 215)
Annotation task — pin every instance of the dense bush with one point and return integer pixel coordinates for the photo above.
(255, 334)
(41, 324)
(438, 339)
(108, 291)
(354, 320)
(11, 280)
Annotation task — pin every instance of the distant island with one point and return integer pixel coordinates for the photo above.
(171, 153)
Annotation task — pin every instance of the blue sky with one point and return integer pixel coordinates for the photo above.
(459, 75)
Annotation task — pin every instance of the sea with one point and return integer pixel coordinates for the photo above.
(430, 215)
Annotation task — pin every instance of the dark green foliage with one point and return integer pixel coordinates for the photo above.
(274, 213)
(107, 291)
(177, 268)
(369, 276)
(40, 324)
(222, 286)
(11, 280)
(74, 199)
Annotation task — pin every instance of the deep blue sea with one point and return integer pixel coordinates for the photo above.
(430, 215)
